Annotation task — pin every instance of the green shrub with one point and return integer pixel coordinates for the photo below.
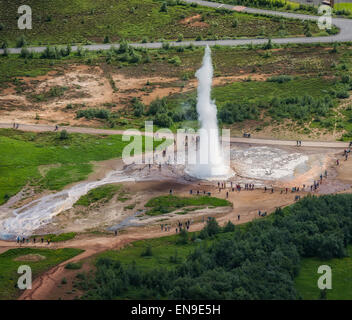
(73, 265)
(63, 135)
(175, 60)
(163, 120)
(92, 113)
(280, 79)
(147, 252)
(21, 42)
(163, 7)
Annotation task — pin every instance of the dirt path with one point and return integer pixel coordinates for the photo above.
(45, 128)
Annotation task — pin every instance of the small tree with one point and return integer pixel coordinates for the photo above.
(229, 227)
(64, 135)
(268, 45)
(106, 39)
(163, 7)
(21, 42)
(234, 23)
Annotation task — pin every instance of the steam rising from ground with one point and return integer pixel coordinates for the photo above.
(210, 163)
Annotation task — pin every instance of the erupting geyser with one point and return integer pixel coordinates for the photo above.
(210, 161)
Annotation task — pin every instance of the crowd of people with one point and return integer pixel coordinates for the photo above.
(23, 240)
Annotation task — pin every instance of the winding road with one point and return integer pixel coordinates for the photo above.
(345, 34)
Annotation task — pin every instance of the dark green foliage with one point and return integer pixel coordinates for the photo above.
(268, 45)
(21, 42)
(138, 108)
(73, 265)
(163, 7)
(280, 79)
(147, 252)
(163, 120)
(300, 107)
(106, 39)
(183, 236)
(234, 112)
(56, 52)
(211, 229)
(63, 135)
(229, 227)
(157, 106)
(257, 262)
(92, 113)
(26, 54)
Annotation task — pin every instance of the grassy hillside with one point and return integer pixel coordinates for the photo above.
(79, 21)
(12, 259)
(62, 161)
(306, 282)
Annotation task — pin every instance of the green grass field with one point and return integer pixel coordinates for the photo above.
(79, 21)
(103, 193)
(306, 282)
(262, 91)
(166, 204)
(24, 153)
(343, 6)
(8, 266)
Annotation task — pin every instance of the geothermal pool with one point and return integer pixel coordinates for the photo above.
(268, 163)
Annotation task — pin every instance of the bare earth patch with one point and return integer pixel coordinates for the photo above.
(194, 21)
(30, 257)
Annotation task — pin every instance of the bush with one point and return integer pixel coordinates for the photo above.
(163, 120)
(183, 237)
(268, 45)
(342, 94)
(63, 135)
(175, 60)
(26, 54)
(138, 108)
(6, 52)
(163, 7)
(229, 227)
(92, 113)
(280, 79)
(106, 39)
(73, 265)
(157, 106)
(147, 252)
(166, 45)
(21, 42)
(235, 23)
